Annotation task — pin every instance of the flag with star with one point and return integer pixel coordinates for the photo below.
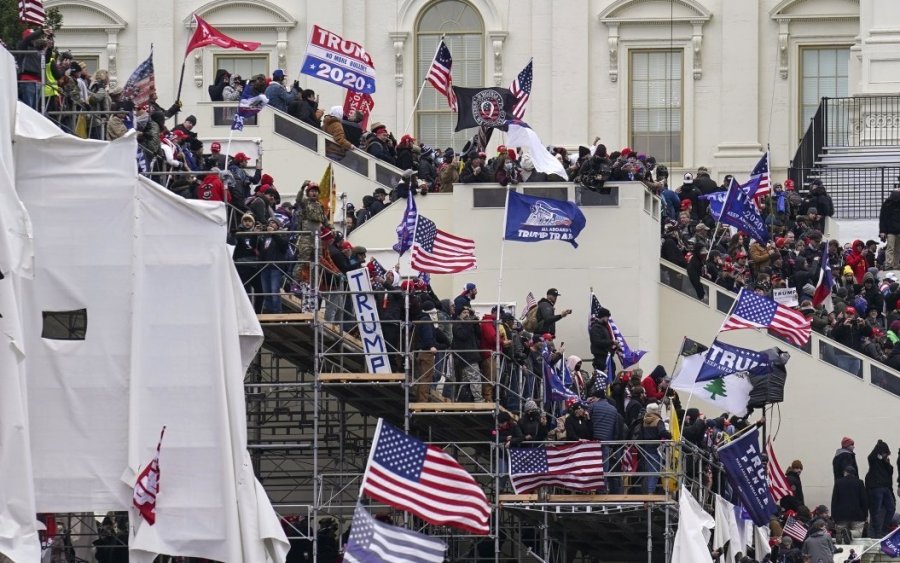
(627, 356)
(521, 89)
(438, 252)
(754, 311)
(372, 541)
(423, 480)
(577, 466)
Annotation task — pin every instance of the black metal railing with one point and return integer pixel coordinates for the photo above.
(810, 147)
(862, 121)
(857, 191)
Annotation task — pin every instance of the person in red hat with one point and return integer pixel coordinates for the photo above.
(242, 180)
(215, 159)
(844, 457)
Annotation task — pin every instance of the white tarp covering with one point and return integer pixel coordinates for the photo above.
(18, 534)
(169, 335)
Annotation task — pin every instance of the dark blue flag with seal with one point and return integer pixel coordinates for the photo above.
(739, 212)
(723, 359)
(534, 219)
(746, 471)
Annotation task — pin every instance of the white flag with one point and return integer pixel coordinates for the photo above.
(726, 529)
(761, 541)
(729, 393)
(693, 533)
(521, 135)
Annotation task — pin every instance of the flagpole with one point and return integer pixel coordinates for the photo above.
(180, 85)
(878, 543)
(421, 89)
(228, 149)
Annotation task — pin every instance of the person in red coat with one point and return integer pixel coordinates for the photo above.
(653, 384)
(212, 189)
(856, 259)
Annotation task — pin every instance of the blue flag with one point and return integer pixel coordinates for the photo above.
(407, 227)
(556, 391)
(891, 544)
(746, 471)
(722, 360)
(739, 212)
(533, 219)
(627, 356)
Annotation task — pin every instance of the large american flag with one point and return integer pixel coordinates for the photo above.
(407, 474)
(778, 484)
(439, 74)
(521, 89)
(794, 529)
(577, 466)
(407, 226)
(141, 83)
(437, 252)
(754, 311)
(32, 11)
(759, 184)
(372, 541)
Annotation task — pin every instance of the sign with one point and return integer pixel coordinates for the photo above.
(365, 305)
(357, 101)
(786, 296)
(334, 59)
(746, 471)
(533, 219)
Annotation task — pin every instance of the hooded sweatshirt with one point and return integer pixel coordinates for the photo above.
(881, 473)
(843, 458)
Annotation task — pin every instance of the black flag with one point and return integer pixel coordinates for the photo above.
(487, 107)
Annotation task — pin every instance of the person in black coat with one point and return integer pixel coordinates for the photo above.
(792, 476)
(533, 424)
(819, 199)
(602, 341)
(671, 247)
(889, 229)
(879, 484)
(844, 457)
(578, 425)
(849, 504)
(695, 270)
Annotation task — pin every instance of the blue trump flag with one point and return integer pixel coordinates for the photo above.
(746, 471)
(533, 219)
(556, 389)
(890, 545)
(739, 212)
(722, 360)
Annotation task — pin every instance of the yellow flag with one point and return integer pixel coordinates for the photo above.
(327, 193)
(674, 457)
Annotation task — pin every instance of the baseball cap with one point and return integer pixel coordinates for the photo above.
(553, 291)
(688, 178)
(241, 156)
(278, 74)
(470, 286)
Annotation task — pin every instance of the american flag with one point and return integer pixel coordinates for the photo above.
(778, 485)
(530, 303)
(372, 541)
(627, 356)
(437, 252)
(754, 311)
(521, 89)
(407, 226)
(822, 294)
(407, 474)
(32, 11)
(759, 185)
(439, 74)
(795, 529)
(577, 466)
(141, 83)
(147, 486)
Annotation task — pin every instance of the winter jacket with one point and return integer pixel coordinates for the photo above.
(651, 384)
(547, 317)
(889, 216)
(849, 500)
(278, 96)
(653, 428)
(466, 341)
(29, 64)
(461, 302)
(468, 175)
(448, 175)
(335, 128)
(819, 546)
(406, 158)
(843, 458)
(695, 274)
(487, 336)
(881, 472)
(427, 171)
(218, 86)
(601, 341)
(857, 262)
(670, 251)
(424, 333)
(796, 485)
(606, 421)
(578, 428)
(379, 150)
(531, 427)
(272, 247)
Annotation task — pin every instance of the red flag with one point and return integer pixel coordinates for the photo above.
(206, 34)
(357, 101)
(147, 486)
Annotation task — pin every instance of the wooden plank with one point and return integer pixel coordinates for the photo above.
(364, 377)
(586, 499)
(455, 407)
(284, 317)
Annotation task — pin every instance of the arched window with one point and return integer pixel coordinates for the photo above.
(463, 31)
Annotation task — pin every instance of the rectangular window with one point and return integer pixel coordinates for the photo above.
(435, 121)
(656, 104)
(92, 63)
(824, 72)
(243, 65)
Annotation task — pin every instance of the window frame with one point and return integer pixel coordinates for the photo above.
(230, 55)
(629, 90)
(803, 124)
(420, 76)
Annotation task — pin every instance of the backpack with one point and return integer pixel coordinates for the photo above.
(531, 320)
(634, 430)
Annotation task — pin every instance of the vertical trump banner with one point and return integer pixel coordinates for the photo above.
(365, 305)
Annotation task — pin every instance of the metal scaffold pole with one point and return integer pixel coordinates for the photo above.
(317, 366)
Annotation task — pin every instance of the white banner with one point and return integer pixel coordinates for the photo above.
(786, 296)
(365, 305)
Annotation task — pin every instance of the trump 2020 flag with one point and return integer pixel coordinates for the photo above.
(890, 545)
(746, 471)
(372, 541)
(147, 486)
(741, 213)
(722, 360)
(424, 480)
(486, 107)
(533, 219)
